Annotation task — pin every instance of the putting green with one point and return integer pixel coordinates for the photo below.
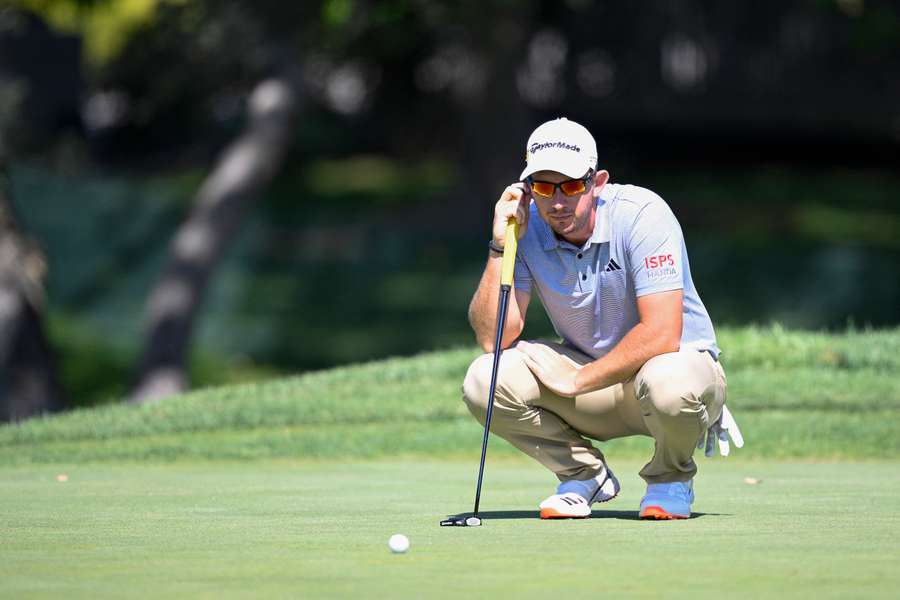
(320, 530)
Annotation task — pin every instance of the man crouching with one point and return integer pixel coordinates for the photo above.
(638, 354)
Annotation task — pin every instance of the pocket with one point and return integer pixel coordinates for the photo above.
(721, 393)
(723, 382)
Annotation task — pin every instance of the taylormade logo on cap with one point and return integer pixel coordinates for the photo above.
(536, 146)
(562, 146)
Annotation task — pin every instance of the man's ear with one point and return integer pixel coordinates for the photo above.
(600, 179)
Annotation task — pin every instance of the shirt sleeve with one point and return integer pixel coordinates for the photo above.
(655, 251)
(522, 275)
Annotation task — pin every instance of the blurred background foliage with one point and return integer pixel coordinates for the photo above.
(772, 130)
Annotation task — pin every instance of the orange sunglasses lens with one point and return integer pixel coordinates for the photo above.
(571, 187)
(543, 188)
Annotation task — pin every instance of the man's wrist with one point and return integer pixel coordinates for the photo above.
(494, 247)
(580, 388)
(583, 385)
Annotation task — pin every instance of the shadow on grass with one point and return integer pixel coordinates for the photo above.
(626, 515)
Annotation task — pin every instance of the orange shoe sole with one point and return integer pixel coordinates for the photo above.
(552, 513)
(657, 512)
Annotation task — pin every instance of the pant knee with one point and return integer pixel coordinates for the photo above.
(662, 391)
(476, 385)
(516, 386)
(664, 399)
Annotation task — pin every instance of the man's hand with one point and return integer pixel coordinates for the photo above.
(513, 202)
(552, 369)
(721, 430)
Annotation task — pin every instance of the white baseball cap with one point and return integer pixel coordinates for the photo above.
(560, 145)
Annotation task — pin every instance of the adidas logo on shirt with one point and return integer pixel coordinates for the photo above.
(612, 266)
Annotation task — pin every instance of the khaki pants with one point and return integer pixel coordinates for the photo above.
(672, 398)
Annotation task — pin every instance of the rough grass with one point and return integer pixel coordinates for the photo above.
(794, 393)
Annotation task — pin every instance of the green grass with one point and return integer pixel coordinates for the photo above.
(319, 530)
(291, 488)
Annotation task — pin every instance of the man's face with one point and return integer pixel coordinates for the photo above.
(572, 217)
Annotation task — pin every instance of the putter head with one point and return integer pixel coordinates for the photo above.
(472, 521)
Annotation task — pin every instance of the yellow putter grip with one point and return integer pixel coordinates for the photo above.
(509, 251)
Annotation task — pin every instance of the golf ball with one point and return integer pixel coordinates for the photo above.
(398, 543)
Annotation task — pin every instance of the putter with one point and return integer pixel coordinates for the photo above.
(506, 279)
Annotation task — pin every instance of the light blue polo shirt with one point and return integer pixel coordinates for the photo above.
(590, 293)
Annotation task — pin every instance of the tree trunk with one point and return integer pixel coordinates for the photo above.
(29, 383)
(239, 179)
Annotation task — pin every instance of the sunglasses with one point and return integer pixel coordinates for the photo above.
(570, 187)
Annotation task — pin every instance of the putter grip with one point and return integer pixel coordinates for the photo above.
(509, 251)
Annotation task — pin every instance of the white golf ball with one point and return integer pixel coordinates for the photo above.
(398, 543)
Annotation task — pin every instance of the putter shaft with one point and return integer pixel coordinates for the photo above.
(506, 280)
(498, 349)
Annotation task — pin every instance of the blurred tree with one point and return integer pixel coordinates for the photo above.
(238, 180)
(241, 45)
(29, 383)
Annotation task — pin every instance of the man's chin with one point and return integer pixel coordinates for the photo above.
(563, 227)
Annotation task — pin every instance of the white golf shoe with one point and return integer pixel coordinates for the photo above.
(573, 499)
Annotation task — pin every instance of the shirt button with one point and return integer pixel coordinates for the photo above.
(579, 255)
(583, 276)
